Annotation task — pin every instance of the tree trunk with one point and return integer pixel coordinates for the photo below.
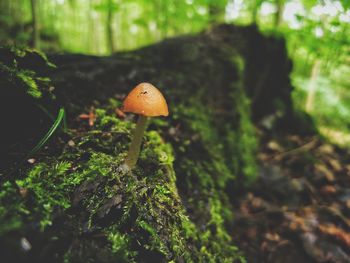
(279, 13)
(315, 72)
(109, 27)
(35, 25)
(255, 10)
(165, 19)
(216, 12)
(78, 205)
(169, 54)
(91, 30)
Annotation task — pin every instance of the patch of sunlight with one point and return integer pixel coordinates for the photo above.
(233, 9)
(341, 138)
(291, 11)
(267, 8)
(328, 7)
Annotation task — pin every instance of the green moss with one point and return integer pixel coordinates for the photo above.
(120, 246)
(11, 208)
(211, 151)
(140, 216)
(50, 187)
(241, 142)
(25, 79)
(175, 205)
(28, 80)
(199, 122)
(17, 68)
(204, 170)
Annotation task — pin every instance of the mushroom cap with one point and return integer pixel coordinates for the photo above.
(145, 99)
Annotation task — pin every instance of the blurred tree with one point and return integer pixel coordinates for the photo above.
(35, 24)
(255, 7)
(216, 11)
(317, 33)
(315, 72)
(109, 7)
(279, 13)
(109, 28)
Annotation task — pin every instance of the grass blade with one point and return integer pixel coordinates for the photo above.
(55, 125)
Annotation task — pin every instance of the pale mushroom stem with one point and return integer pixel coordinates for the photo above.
(134, 149)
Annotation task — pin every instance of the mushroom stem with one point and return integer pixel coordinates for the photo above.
(134, 149)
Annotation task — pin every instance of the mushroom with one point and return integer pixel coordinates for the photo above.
(146, 101)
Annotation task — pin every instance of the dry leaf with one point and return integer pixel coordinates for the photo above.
(321, 168)
(336, 232)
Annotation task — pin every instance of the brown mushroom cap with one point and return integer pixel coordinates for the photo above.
(146, 100)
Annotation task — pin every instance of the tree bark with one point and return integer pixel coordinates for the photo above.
(186, 55)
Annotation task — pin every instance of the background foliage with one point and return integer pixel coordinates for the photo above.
(317, 33)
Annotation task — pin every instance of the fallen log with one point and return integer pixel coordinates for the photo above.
(72, 203)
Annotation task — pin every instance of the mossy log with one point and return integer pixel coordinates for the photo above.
(75, 204)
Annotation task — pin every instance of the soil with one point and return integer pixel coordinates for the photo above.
(299, 208)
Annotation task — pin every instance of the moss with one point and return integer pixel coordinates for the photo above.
(203, 171)
(29, 81)
(140, 216)
(17, 67)
(246, 143)
(176, 205)
(50, 186)
(211, 151)
(198, 121)
(173, 207)
(24, 79)
(120, 246)
(10, 215)
(241, 138)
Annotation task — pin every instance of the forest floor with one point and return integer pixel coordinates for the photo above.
(298, 210)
